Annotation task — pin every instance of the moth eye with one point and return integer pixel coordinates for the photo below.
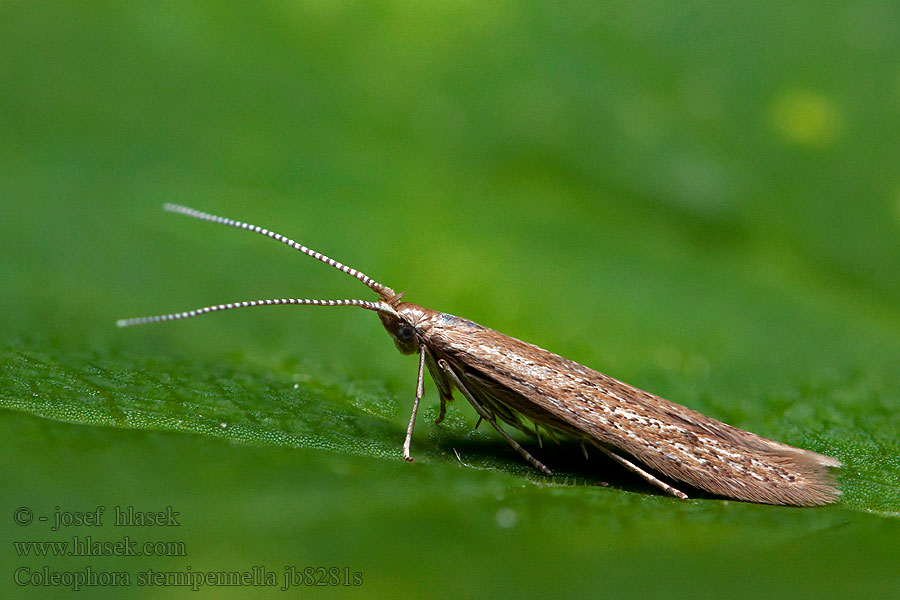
(405, 333)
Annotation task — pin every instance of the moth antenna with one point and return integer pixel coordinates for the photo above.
(376, 306)
(386, 293)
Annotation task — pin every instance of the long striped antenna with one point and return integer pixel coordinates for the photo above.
(385, 305)
(376, 306)
(386, 293)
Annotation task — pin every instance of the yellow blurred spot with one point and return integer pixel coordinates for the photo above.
(806, 118)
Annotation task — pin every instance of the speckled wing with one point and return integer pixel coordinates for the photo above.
(676, 441)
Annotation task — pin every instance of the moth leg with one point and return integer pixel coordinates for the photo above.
(442, 384)
(443, 413)
(420, 391)
(552, 435)
(636, 469)
(490, 418)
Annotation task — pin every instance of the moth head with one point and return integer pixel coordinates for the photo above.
(399, 321)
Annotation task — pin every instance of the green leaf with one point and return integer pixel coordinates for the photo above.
(700, 201)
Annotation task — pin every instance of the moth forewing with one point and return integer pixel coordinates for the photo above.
(671, 439)
(530, 388)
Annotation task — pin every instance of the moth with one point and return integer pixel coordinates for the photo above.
(528, 388)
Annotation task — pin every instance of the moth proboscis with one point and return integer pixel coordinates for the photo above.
(524, 386)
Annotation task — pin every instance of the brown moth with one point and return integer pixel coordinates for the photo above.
(529, 388)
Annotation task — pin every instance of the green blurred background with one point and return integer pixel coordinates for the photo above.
(701, 199)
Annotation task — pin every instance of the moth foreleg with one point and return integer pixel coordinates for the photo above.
(649, 477)
(490, 418)
(420, 391)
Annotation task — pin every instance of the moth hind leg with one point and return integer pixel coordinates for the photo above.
(648, 476)
(484, 414)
